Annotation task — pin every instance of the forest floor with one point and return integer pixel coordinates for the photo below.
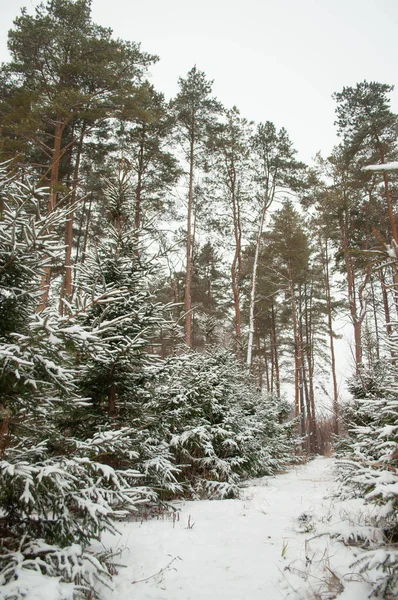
(284, 538)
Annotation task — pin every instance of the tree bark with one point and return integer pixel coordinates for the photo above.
(356, 318)
(336, 411)
(188, 276)
(268, 376)
(309, 354)
(274, 346)
(254, 283)
(236, 267)
(67, 288)
(85, 240)
(259, 354)
(138, 189)
(112, 399)
(297, 350)
(386, 305)
(52, 201)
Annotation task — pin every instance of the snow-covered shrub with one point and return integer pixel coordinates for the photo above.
(54, 508)
(40, 570)
(70, 497)
(218, 426)
(366, 467)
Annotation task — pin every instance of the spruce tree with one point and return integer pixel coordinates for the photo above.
(57, 492)
(367, 467)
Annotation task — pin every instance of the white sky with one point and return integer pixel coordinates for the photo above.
(277, 60)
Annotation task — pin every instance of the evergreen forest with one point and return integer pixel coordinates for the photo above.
(172, 284)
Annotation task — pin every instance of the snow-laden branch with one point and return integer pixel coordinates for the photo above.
(391, 166)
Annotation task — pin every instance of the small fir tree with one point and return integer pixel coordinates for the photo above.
(56, 492)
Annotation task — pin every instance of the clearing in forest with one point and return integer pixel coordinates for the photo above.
(284, 538)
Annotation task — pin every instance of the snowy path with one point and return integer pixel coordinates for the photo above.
(273, 543)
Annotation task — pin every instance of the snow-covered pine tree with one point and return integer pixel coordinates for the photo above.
(55, 493)
(367, 468)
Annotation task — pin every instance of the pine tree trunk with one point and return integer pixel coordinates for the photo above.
(67, 289)
(300, 385)
(235, 292)
(253, 286)
(79, 235)
(336, 411)
(375, 318)
(138, 189)
(356, 318)
(308, 421)
(188, 276)
(52, 201)
(4, 431)
(59, 128)
(85, 240)
(112, 401)
(275, 351)
(386, 305)
(309, 354)
(236, 267)
(259, 354)
(268, 376)
(297, 351)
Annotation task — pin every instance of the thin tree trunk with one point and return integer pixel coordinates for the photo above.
(235, 292)
(268, 378)
(138, 189)
(188, 276)
(309, 354)
(112, 398)
(297, 350)
(79, 236)
(56, 157)
(4, 431)
(275, 350)
(67, 289)
(259, 354)
(356, 318)
(336, 411)
(375, 319)
(236, 267)
(386, 305)
(85, 240)
(52, 201)
(305, 399)
(308, 422)
(301, 404)
(254, 283)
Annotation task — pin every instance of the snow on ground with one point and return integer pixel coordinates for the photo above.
(274, 542)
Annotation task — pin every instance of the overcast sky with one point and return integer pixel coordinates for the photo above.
(277, 60)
